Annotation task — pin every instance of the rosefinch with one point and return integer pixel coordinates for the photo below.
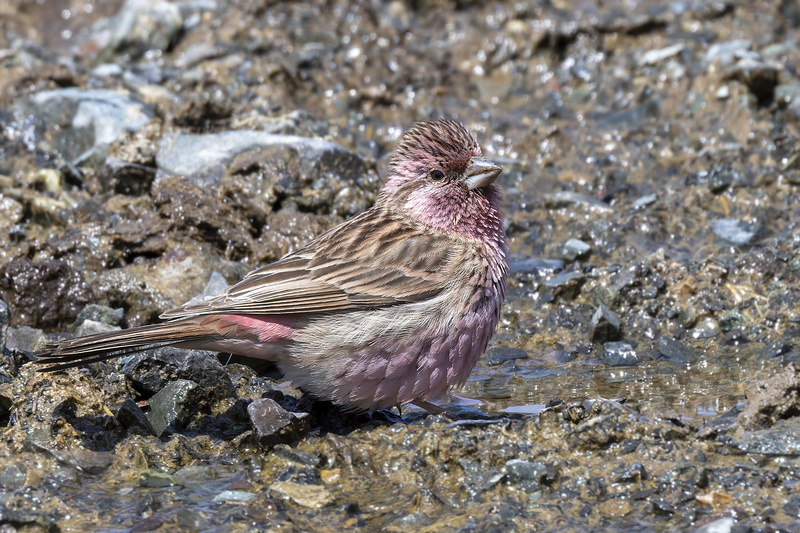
(391, 307)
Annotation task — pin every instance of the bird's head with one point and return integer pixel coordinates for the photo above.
(439, 153)
(439, 177)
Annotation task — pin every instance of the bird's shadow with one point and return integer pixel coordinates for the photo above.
(102, 431)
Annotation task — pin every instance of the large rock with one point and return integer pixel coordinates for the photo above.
(46, 294)
(313, 174)
(775, 398)
(152, 371)
(83, 122)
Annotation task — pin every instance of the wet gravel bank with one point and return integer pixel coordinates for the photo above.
(642, 377)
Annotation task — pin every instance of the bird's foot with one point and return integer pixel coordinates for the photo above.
(430, 407)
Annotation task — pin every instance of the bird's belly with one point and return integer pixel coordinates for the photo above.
(380, 359)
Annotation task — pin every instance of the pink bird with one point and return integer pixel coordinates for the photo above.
(391, 307)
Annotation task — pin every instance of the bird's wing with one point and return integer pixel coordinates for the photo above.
(370, 261)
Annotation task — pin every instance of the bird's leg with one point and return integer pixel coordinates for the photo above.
(431, 408)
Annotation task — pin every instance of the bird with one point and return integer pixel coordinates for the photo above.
(393, 306)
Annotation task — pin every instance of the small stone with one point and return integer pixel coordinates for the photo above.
(502, 354)
(706, 329)
(133, 419)
(298, 474)
(100, 313)
(721, 178)
(13, 477)
(233, 496)
(735, 337)
(527, 475)
(629, 446)
(25, 339)
(605, 325)
(662, 507)
(732, 319)
(172, 407)
(274, 424)
(644, 201)
(735, 231)
(776, 349)
(143, 25)
(196, 475)
(330, 475)
(687, 317)
(566, 284)
(216, 285)
(153, 479)
(85, 460)
(311, 496)
(633, 474)
(723, 93)
(90, 327)
(107, 70)
(574, 249)
(652, 57)
(726, 524)
(670, 349)
(619, 354)
(726, 52)
(535, 265)
(11, 212)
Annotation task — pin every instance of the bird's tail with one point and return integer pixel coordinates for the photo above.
(79, 351)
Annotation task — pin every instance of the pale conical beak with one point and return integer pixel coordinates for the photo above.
(481, 173)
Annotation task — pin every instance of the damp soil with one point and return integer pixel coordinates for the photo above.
(643, 374)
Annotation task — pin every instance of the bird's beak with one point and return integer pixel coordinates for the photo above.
(481, 173)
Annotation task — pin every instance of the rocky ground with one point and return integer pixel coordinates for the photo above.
(642, 378)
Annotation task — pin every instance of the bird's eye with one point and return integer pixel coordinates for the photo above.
(437, 174)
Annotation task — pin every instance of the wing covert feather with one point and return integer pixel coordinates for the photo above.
(366, 263)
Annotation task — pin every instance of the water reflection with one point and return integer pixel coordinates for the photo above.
(690, 391)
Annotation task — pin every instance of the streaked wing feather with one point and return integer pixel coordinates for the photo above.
(368, 262)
